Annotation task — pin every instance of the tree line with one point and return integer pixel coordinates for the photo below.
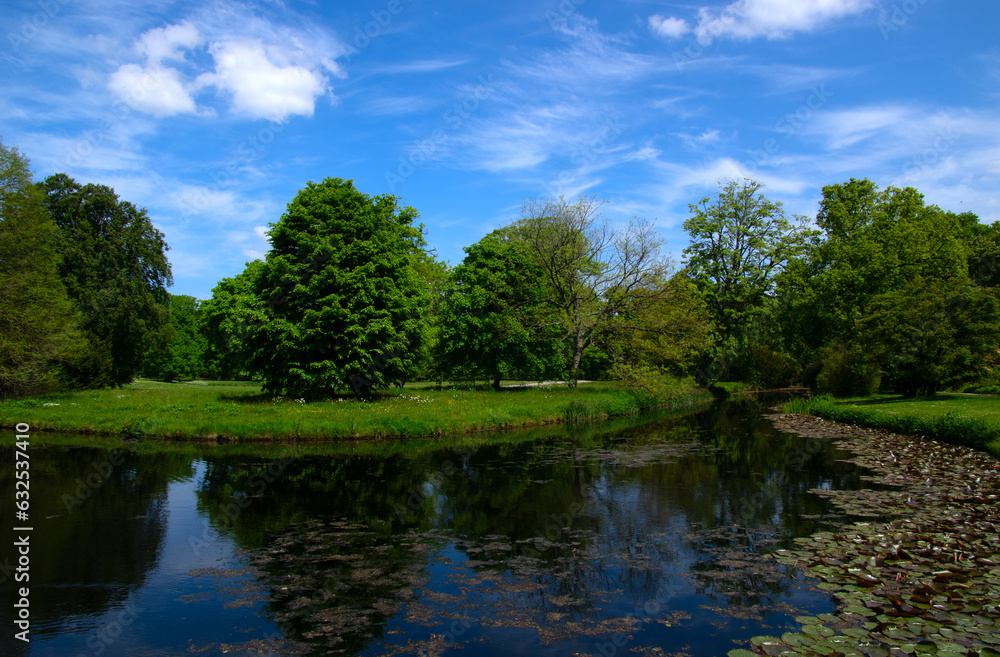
(879, 291)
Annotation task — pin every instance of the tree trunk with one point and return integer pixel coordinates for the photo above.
(496, 383)
(574, 374)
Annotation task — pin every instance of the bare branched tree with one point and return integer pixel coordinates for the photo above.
(598, 277)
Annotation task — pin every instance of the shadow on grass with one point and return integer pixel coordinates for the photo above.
(883, 401)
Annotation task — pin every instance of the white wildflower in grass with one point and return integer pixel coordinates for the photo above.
(50, 404)
(300, 401)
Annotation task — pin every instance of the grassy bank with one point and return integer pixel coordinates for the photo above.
(239, 411)
(972, 421)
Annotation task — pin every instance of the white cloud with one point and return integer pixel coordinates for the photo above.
(264, 81)
(750, 19)
(672, 28)
(155, 90)
(266, 68)
(166, 42)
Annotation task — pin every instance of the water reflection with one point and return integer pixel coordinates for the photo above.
(99, 523)
(597, 539)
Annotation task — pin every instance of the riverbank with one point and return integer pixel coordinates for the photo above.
(968, 420)
(240, 412)
(917, 572)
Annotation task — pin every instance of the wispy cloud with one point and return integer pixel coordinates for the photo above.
(421, 66)
(751, 19)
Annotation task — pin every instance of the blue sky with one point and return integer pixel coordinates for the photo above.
(213, 115)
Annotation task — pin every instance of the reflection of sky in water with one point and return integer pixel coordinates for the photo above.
(171, 607)
(532, 547)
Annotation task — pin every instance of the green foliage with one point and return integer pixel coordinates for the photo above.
(740, 241)
(848, 371)
(181, 352)
(874, 242)
(671, 329)
(659, 385)
(767, 367)
(982, 249)
(595, 277)
(932, 334)
(435, 274)
(114, 267)
(227, 320)
(342, 303)
(41, 346)
(492, 306)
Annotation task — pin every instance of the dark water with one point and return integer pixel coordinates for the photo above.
(606, 539)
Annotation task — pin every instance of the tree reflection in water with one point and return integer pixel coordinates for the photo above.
(584, 541)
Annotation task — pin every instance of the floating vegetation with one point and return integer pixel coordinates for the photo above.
(921, 580)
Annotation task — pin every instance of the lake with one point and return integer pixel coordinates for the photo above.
(647, 536)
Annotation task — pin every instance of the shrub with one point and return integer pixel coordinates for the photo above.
(848, 372)
(770, 368)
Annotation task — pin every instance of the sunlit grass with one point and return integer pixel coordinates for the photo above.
(240, 411)
(972, 420)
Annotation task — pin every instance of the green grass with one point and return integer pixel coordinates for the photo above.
(240, 412)
(968, 420)
(733, 387)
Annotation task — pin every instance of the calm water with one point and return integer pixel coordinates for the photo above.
(606, 540)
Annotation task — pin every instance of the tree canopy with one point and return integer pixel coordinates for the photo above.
(740, 241)
(41, 343)
(492, 310)
(594, 276)
(179, 351)
(114, 266)
(886, 292)
(341, 298)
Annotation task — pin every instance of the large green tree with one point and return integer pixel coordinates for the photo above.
(493, 311)
(115, 268)
(40, 340)
(931, 334)
(180, 350)
(227, 322)
(872, 242)
(594, 275)
(740, 242)
(342, 298)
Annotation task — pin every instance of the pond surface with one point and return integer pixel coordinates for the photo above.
(625, 538)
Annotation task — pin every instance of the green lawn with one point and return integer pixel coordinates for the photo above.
(972, 420)
(986, 407)
(239, 411)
